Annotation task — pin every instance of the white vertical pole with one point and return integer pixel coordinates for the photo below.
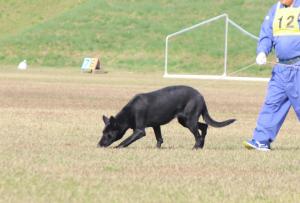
(226, 43)
(166, 56)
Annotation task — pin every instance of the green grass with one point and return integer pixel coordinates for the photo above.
(128, 35)
(18, 16)
(51, 121)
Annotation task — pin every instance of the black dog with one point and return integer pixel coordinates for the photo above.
(158, 108)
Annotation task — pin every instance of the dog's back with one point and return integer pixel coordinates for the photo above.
(161, 106)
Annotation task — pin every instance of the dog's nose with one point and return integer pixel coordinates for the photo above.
(101, 145)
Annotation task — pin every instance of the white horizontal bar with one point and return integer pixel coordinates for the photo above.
(216, 77)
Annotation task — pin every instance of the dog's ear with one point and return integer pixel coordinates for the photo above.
(105, 120)
(113, 121)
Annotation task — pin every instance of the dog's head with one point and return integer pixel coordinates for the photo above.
(111, 133)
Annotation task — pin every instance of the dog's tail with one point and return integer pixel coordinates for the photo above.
(212, 122)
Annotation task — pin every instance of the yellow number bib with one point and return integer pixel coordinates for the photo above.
(286, 21)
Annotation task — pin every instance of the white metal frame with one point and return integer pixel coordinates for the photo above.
(210, 77)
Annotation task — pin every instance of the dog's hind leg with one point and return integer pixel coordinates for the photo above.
(158, 136)
(182, 119)
(193, 125)
(137, 134)
(199, 139)
(203, 127)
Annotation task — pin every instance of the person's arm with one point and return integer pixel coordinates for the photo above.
(265, 42)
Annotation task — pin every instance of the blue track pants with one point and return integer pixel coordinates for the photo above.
(283, 92)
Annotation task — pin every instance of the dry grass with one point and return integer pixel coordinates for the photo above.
(51, 121)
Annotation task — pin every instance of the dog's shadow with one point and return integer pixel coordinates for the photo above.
(164, 148)
(151, 147)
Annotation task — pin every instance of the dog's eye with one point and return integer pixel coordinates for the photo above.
(109, 136)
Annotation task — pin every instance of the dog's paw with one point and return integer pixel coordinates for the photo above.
(119, 147)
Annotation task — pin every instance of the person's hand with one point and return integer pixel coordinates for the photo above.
(261, 59)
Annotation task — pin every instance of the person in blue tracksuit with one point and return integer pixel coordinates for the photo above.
(280, 30)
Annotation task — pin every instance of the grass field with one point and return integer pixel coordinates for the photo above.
(129, 35)
(51, 121)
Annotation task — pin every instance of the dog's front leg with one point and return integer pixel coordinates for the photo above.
(158, 136)
(137, 134)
